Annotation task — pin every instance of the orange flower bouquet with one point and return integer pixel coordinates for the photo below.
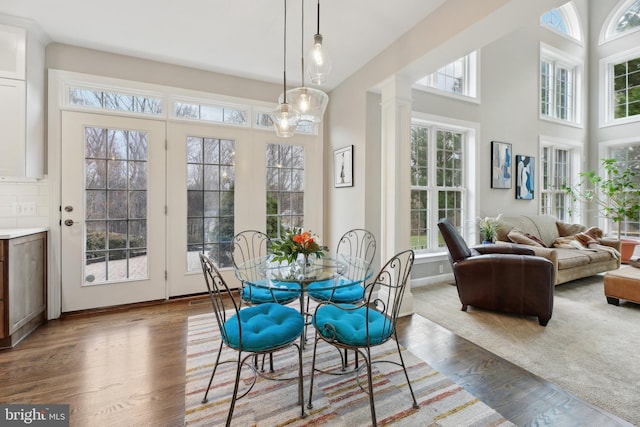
(294, 243)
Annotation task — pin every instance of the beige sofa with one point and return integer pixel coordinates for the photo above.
(569, 264)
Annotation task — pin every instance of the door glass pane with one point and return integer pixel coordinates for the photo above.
(210, 200)
(115, 205)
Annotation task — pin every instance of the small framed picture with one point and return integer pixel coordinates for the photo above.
(343, 167)
(501, 164)
(525, 182)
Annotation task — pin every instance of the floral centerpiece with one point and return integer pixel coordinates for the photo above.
(296, 242)
(489, 228)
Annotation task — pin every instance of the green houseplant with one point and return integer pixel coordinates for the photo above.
(488, 228)
(617, 193)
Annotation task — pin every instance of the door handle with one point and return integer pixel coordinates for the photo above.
(68, 222)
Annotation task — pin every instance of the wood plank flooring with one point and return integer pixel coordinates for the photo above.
(126, 367)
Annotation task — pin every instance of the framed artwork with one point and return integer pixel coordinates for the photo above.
(525, 173)
(500, 164)
(343, 167)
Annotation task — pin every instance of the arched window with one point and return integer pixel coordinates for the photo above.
(563, 20)
(622, 20)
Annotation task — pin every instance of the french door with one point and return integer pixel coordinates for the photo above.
(113, 244)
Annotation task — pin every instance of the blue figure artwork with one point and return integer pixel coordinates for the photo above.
(524, 179)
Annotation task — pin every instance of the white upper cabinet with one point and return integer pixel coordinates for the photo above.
(13, 43)
(22, 83)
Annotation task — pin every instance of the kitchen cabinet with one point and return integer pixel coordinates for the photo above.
(23, 283)
(22, 98)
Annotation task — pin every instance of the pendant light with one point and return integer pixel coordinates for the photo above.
(318, 60)
(285, 118)
(311, 103)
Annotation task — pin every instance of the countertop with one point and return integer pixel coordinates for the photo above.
(11, 233)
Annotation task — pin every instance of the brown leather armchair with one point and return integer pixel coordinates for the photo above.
(495, 277)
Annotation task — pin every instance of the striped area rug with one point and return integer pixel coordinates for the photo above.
(337, 400)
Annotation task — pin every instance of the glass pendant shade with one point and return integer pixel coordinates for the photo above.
(311, 103)
(318, 62)
(285, 120)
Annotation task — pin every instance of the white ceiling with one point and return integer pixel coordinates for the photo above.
(237, 37)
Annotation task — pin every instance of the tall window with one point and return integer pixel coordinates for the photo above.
(458, 77)
(437, 182)
(285, 188)
(626, 88)
(628, 158)
(556, 169)
(210, 199)
(558, 86)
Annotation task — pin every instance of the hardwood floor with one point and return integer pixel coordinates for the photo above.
(126, 367)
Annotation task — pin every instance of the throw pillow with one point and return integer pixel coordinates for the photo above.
(565, 229)
(520, 237)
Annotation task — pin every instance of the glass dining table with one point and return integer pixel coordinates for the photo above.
(326, 274)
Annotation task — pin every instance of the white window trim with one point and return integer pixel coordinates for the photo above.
(606, 88)
(557, 56)
(471, 167)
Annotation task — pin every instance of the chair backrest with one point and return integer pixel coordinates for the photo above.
(245, 246)
(361, 244)
(219, 292)
(458, 249)
(391, 283)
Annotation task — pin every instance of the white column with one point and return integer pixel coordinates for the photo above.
(395, 173)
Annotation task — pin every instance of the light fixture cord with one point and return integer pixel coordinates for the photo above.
(302, 45)
(318, 32)
(285, 53)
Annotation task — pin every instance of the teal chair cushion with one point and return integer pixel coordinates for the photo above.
(350, 325)
(344, 292)
(264, 327)
(285, 292)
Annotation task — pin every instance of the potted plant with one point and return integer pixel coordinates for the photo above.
(617, 193)
(488, 228)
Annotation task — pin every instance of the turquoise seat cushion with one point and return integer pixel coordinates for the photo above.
(264, 327)
(346, 291)
(283, 292)
(350, 325)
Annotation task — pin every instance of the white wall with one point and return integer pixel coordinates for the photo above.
(15, 194)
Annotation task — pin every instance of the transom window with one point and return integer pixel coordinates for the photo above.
(108, 100)
(437, 182)
(563, 20)
(285, 188)
(624, 20)
(210, 113)
(458, 77)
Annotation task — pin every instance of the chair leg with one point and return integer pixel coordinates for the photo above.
(313, 371)
(404, 368)
(300, 383)
(372, 405)
(215, 366)
(235, 390)
(464, 307)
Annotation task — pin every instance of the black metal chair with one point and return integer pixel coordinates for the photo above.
(360, 327)
(248, 249)
(251, 331)
(356, 244)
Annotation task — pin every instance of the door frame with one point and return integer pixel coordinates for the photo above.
(58, 82)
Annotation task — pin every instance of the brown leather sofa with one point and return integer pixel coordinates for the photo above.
(502, 278)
